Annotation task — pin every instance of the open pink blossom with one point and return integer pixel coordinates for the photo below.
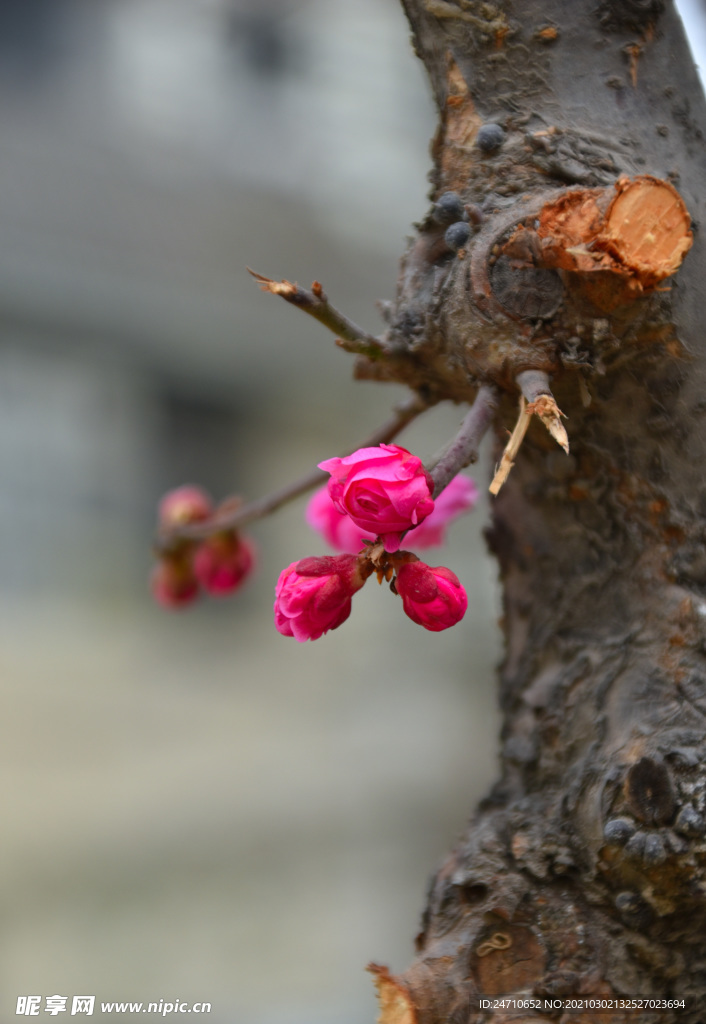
(187, 504)
(337, 529)
(432, 597)
(384, 490)
(224, 562)
(341, 533)
(314, 595)
(456, 498)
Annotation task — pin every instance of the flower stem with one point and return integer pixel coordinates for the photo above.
(231, 516)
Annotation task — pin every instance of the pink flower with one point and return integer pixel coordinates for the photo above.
(456, 498)
(187, 504)
(314, 595)
(433, 598)
(224, 562)
(384, 490)
(341, 533)
(337, 529)
(173, 583)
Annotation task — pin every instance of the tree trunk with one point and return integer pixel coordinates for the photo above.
(583, 873)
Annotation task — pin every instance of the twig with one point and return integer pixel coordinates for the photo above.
(315, 302)
(535, 387)
(463, 450)
(536, 399)
(232, 516)
(511, 448)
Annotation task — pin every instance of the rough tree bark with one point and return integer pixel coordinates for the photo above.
(583, 873)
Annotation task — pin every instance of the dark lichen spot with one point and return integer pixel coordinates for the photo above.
(637, 15)
(628, 902)
(490, 137)
(684, 757)
(649, 791)
(448, 208)
(521, 749)
(654, 852)
(557, 983)
(474, 892)
(462, 1010)
(618, 831)
(457, 235)
(633, 909)
(635, 847)
(689, 822)
(674, 843)
(409, 323)
(526, 291)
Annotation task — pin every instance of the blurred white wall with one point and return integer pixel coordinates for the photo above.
(196, 807)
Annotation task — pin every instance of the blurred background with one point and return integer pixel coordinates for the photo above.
(196, 808)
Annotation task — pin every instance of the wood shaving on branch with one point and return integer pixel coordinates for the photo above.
(396, 1006)
(550, 414)
(512, 447)
(543, 406)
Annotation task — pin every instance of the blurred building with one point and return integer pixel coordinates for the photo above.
(196, 807)
(151, 149)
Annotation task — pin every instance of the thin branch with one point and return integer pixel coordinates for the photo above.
(463, 450)
(532, 384)
(231, 515)
(315, 302)
(536, 400)
(535, 387)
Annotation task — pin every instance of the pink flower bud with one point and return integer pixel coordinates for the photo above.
(173, 583)
(384, 490)
(341, 533)
(314, 595)
(224, 562)
(187, 504)
(433, 598)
